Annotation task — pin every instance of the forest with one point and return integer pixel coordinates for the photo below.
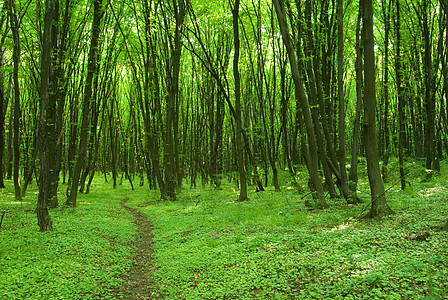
(239, 149)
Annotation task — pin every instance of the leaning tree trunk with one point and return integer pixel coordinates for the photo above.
(98, 13)
(312, 161)
(43, 217)
(379, 205)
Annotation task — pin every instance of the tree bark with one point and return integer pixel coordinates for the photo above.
(379, 205)
(57, 99)
(312, 163)
(2, 119)
(349, 197)
(43, 217)
(239, 126)
(353, 173)
(401, 108)
(429, 99)
(385, 93)
(16, 59)
(98, 12)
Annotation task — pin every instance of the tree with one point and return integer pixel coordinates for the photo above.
(350, 198)
(98, 12)
(301, 96)
(379, 205)
(401, 111)
(43, 217)
(353, 173)
(239, 123)
(14, 23)
(3, 107)
(171, 145)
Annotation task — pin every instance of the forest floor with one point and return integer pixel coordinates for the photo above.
(126, 244)
(137, 284)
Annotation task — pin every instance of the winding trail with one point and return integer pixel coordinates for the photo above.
(137, 283)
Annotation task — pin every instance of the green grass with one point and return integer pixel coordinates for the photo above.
(207, 246)
(81, 259)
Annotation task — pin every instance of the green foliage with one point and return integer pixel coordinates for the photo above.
(81, 259)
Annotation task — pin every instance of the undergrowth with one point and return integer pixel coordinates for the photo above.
(208, 246)
(82, 259)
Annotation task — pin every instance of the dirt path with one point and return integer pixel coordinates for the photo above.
(137, 284)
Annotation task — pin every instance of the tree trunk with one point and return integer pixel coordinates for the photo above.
(16, 58)
(429, 99)
(312, 162)
(57, 100)
(401, 108)
(43, 217)
(379, 205)
(385, 130)
(2, 119)
(239, 125)
(98, 13)
(349, 197)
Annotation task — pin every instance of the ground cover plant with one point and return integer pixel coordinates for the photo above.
(207, 246)
(81, 259)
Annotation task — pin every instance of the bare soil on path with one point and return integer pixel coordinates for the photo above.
(137, 283)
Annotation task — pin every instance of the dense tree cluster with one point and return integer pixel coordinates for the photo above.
(186, 90)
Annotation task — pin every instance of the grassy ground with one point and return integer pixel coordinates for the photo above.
(81, 259)
(207, 246)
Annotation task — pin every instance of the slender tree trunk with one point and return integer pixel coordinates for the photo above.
(239, 125)
(98, 13)
(113, 144)
(57, 100)
(284, 129)
(350, 198)
(379, 205)
(312, 162)
(429, 99)
(10, 146)
(353, 173)
(43, 217)
(171, 111)
(401, 108)
(313, 85)
(385, 129)
(16, 58)
(2, 119)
